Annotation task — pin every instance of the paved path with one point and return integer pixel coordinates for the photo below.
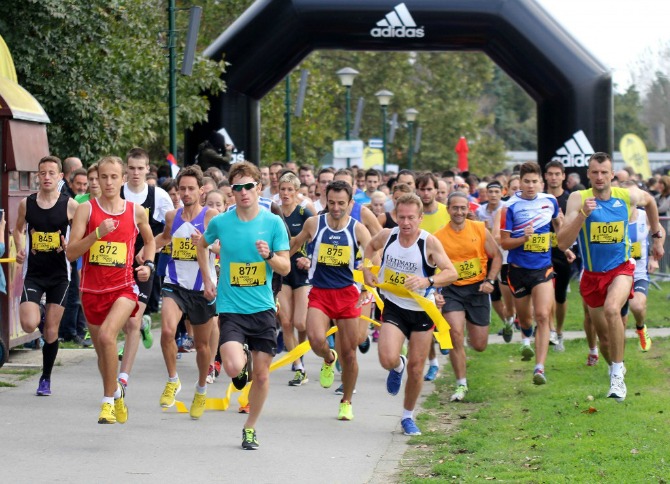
(57, 438)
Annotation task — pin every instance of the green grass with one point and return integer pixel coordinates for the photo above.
(511, 430)
(10, 375)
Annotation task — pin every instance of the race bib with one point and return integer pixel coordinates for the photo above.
(468, 268)
(109, 254)
(247, 274)
(537, 243)
(183, 249)
(606, 232)
(334, 255)
(167, 249)
(394, 277)
(45, 241)
(636, 250)
(554, 240)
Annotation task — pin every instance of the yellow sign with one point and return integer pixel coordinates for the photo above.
(634, 154)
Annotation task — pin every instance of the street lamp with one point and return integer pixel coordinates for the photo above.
(411, 115)
(347, 76)
(384, 98)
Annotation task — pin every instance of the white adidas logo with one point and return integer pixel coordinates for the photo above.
(575, 152)
(397, 23)
(616, 204)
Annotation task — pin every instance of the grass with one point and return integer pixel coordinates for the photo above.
(513, 431)
(10, 375)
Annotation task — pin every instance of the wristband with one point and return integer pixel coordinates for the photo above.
(150, 265)
(97, 233)
(582, 212)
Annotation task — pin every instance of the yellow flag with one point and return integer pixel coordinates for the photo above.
(634, 154)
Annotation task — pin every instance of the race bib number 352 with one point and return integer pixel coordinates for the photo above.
(607, 232)
(183, 249)
(247, 274)
(334, 255)
(110, 254)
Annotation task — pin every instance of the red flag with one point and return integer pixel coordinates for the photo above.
(462, 151)
(174, 168)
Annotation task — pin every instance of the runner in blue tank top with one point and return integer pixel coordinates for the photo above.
(336, 237)
(599, 216)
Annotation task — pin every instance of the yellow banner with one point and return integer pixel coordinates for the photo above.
(634, 154)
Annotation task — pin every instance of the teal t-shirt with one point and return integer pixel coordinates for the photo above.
(245, 280)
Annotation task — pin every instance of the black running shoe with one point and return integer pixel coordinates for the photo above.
(240, 381)
(364, 347)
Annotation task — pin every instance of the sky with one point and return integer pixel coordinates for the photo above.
(617, 32)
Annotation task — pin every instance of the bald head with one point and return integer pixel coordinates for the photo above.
(70, 164)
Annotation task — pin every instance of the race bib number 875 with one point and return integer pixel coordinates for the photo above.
(334, 255)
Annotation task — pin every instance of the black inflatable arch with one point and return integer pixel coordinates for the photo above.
(572, 89)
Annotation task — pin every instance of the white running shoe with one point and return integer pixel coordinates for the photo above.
(617, 388)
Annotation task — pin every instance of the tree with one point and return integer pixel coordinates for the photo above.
(627, 116)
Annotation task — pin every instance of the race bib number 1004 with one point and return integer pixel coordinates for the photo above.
(607, 232)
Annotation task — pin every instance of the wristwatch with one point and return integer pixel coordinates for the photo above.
(270, 255)
(431, 281)
(657, 235)
(491, 281)
(150, 265)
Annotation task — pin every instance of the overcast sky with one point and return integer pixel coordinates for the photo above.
(617, 32)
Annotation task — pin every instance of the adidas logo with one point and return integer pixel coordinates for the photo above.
(616, 204)
(397, 23)
(575, 152)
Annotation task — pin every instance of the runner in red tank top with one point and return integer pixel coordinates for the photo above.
(104, 232)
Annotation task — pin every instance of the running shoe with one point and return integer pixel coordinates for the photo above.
(121, 352)
(210, 375)
(538, 377)
(364, 347)
(240, 381)
(432, 373)
(331, 341)
(107, 414)
(617, 388)
(591, 360)
(244, 409)
(120, 408)
(645, 340)
(170, 393)
(508, 331)
(553, 338)
(198, 405)
(409, 427)
(145, 330)
(459, 394)
(560, 347)
(88, 342)
(43, 388)
(527, 352)
(346, 412)
(394, 379)
(187, 345)
(217, 368)
(444, 351)
(300, 378)
(375, 336)
(403, 350)
(340, 390)
(327, 372)
(249, 441)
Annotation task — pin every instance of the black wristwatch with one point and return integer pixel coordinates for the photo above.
(657, 235)
(270, 255)
(491, 281)
(150, 265)
(431, 281)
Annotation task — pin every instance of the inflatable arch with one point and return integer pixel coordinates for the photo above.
(572, 89)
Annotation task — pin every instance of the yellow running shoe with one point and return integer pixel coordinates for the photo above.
(169, 394)
(645, 340)
(346, 412)
(120, 408)
(107, 415)
(198, 405)
(328, 372)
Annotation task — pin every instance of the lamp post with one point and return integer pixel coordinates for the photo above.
(384, 98)
(411, 115)
(347, 76)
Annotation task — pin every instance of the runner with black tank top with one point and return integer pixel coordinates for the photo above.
(156, 203)
(43, 221)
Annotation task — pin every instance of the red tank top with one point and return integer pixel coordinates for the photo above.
(108, 264)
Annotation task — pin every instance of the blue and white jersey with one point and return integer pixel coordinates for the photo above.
(538, 212)
(639, 245)
(182, 266)
(333, 255)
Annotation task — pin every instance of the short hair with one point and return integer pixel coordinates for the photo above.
(345, 171)
(68, 163)
(453, 195)
(448, 174)
(277, 163)
(305, 167)
(218, 192)
(244, 168)
(215, 173)
(575, 176)
(78, 171)
(325, 170)
(105, 160)
(191, 170)
(93, 167)
(600, 157)
(402, 187)
(339, 186)
(208, 180)
(554, 164)
(530, 168)
(378, 194)
(138, 153)
(494, 184)
(51, 159)
(405, 171)
(169, 184)
(290, 177)
(423, 179)
(222, 183)
(373, 172)
(410, 199)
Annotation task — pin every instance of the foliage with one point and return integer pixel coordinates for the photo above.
(99, 69)
(657, 103)
(627, 116)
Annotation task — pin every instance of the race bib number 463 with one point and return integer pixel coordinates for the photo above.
(607, 232)
(394, 277)
(109, 254)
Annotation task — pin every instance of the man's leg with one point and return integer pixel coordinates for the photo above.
(170, 316)
(285, 314)
(617, 295)
(419, 344)
(524, 313)
(457, 353)
(201, 333)
(132, 342)
(389, 345)
(260, 387)
(348, 336)
(542, 297)
(591, 336)
(317, 326)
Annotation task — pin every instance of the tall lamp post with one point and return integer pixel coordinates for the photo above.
(384, 98)
(347, 76)
(410, 115)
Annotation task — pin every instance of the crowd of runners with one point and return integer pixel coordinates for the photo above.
(246, 256)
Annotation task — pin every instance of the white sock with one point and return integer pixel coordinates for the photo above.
(510, 320)
(434, 362)
(539, 366)
(299, 366)
(173, 379)
(407, 414)
(617, 369)
(593, 351)
(124, 376)
(400, 367)
(201, 390)
(462, 381)
(525, 341)
(108, 400)
(117, 393)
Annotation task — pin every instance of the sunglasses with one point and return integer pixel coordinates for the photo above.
(246, 186)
